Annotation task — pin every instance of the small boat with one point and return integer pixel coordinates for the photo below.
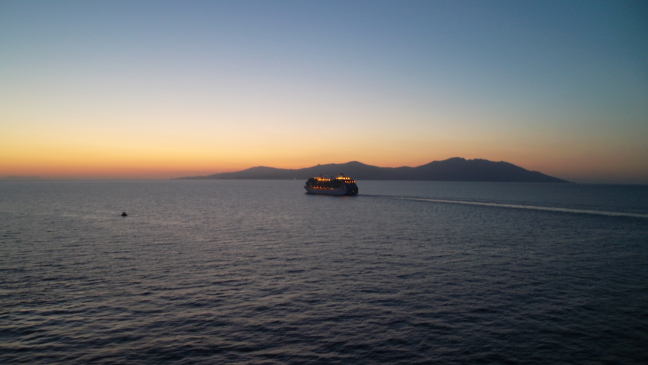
(341, 185)
(124, 214)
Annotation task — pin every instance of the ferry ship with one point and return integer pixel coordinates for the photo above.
(341, 185)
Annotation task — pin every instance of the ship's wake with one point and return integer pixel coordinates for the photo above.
(518, 206)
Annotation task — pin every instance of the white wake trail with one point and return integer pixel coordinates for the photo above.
(532, 207)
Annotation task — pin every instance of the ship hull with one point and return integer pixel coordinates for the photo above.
(331, 191)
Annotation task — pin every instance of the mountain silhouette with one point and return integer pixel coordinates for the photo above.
(453, 169)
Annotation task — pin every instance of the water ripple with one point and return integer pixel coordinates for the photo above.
(226, 272)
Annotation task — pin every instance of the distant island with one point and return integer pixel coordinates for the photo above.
(453, 169)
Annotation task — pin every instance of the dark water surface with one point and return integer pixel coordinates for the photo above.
(259, 272)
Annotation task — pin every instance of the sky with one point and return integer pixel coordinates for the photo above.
(164, 89)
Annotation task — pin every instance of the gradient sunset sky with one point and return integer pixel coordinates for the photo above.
(162, 89)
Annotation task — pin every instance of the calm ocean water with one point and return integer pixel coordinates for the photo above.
(259, 272)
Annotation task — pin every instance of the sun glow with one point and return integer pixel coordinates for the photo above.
(84, 98)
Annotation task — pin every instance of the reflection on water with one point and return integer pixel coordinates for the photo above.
(258, 271)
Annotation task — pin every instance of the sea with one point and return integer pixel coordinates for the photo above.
(258, 272)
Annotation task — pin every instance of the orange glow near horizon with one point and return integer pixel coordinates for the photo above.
(163, 143)
(157, 162)
(67, 143)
